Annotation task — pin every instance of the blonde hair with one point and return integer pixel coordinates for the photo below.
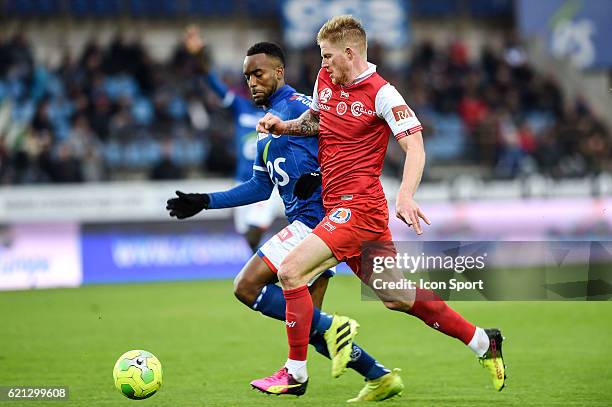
(344, 30)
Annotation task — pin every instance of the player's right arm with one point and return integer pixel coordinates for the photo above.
(305, 125)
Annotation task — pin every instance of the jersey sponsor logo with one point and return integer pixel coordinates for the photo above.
(340, 215)
(285, 234)
(344, 94)
(402, 112)
(329, 227)
(357, 109)
(301, 98)
(325, 95)
(341, 108)
(321, 106)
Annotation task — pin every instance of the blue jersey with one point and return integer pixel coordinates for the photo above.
(246, 115)
(279, 162)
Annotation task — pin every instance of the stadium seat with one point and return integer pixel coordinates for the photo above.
(154, 8)
(95, 8)
(33, 8)
(113, 155)
(23, 112)
(490, 8)
(177, 108)
(448, 139)
(142, 110)
(539, 121)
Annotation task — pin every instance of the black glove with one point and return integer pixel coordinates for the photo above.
(187, 205)
(307, 184)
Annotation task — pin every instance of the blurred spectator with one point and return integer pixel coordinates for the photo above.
(165, 168)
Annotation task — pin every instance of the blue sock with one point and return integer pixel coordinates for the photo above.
(361, 361)
(271, 303)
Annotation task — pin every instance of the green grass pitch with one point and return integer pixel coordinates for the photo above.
(211, 346)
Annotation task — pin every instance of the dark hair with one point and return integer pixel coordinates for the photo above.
(268, 48)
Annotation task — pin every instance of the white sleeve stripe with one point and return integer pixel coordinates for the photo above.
(259, 168)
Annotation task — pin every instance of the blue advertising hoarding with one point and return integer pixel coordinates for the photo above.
(115, 254)
(578, 29)
(165, 252)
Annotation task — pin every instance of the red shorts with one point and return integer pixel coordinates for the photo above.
(347, 226)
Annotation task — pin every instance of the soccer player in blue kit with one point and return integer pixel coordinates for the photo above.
(280, 162)
(251, 221)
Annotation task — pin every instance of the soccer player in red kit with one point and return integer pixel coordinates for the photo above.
(353, 111)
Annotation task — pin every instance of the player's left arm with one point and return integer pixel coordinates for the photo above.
(406, 207)
(258, 188)
(406, 128)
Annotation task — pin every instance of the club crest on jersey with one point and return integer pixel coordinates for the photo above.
(340, 215)
(325, 95)
(341, 108)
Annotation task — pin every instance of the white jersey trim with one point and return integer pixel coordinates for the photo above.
(365, 74)
(314, 105)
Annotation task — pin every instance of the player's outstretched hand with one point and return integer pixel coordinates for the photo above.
(408, 210)
(187, 205)
(307, 184)
(270, 124)
(193, 40)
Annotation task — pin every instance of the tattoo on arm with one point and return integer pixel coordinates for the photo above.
(305, 125)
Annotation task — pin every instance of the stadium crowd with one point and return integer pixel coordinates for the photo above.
(114, 113)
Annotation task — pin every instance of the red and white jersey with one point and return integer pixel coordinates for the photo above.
(355, 122)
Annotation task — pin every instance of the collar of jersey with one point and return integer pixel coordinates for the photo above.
(281, 93)
(364, 75)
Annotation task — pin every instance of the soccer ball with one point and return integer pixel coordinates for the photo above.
(137, 374)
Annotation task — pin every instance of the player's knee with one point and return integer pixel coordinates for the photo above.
(244, 290)
(288, 273)
(400, 306)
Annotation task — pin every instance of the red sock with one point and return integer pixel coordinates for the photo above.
(298, 319)
(430, 308)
